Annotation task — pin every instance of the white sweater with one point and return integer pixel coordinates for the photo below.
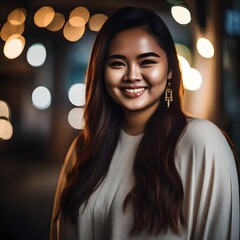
(207, 168)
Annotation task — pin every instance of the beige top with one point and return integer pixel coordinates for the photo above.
(211, 196)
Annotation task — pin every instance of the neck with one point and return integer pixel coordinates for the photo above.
(135, 121)
(133, 124)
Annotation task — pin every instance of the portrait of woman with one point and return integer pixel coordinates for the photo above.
(141, 168)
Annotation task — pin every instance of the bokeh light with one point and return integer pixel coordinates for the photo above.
(184, 64)
(184, 51)
(17, 16)
(41, 98)
(76, 94)
(96, 22)
(9, 30)
(75, 118)
(185, 68)
(13, 47)
(36, 55)
(72, 33)
(192, 79)
(57, 23)
(181, 14)
(4, 110)
(6, 129)
(79, 16)
(44, 16)
(205, 48)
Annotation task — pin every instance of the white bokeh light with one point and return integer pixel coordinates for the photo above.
(36, 55)
(181, 14)
(205, 48)
(75, 118)
(185, 68)
(184, 64)
(41, 98)
(76, 94)
(192, 79)
(14, 47)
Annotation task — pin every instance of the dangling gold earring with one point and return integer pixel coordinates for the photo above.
(168, 93)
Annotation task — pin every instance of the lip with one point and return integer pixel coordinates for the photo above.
(133, 92)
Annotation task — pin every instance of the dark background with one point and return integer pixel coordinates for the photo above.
(31, 160)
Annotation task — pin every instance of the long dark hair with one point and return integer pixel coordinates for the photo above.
(157, 192)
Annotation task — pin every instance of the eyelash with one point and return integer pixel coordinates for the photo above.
(117, 64)
(146, 62)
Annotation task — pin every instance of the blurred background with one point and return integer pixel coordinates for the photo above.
(44, 51)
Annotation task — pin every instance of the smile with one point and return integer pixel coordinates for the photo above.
(136, 90)
(133, 92)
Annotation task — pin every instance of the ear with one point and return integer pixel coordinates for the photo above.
(169, 76)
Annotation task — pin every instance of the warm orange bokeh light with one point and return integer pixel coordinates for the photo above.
(57, 22)
(44, 16)
(72, 33)
(17, 16)
(96, 22)
(79, 16)
(9, 30)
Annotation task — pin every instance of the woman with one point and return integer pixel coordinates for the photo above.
(140, 169)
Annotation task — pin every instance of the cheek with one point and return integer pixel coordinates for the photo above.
(111, 77)
(157, 76)
(110, 81)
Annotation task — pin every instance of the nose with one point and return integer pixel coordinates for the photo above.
(133, 73)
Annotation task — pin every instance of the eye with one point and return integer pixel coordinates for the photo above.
(147, 62)
(117, 64)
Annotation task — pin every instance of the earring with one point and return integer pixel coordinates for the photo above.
(168, 93)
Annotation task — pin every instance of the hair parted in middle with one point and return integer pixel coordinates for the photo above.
(157, 193)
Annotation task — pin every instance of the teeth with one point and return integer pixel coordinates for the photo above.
(136, 90)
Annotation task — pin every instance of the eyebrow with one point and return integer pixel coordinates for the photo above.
(143, 55)
(148, 54)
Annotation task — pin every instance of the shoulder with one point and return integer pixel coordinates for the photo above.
(207, 169)
(203, 149)
(203, 138)
(200, 132)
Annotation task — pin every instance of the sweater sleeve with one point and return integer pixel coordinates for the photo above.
(207, 168)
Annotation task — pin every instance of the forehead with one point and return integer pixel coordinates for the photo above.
(134, 40)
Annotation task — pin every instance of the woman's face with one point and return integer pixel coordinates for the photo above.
(136, 71)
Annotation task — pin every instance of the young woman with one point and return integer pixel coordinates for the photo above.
(140, 169)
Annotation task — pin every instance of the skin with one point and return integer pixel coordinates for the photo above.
(135, 75)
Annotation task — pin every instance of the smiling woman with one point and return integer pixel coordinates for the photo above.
(136, 74)
(141, 168)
